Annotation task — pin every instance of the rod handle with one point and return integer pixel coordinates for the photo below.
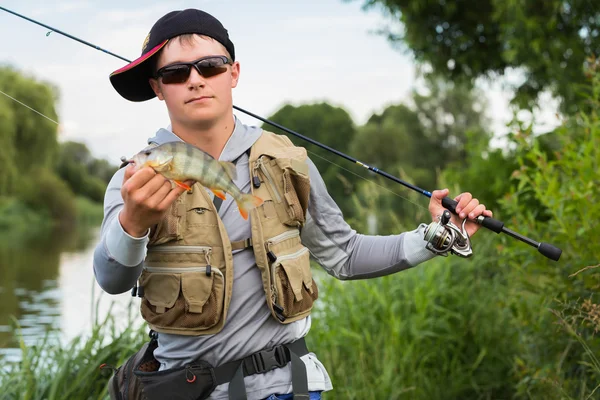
(488, 222)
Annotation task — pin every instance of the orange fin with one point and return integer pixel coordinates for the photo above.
(219, 193)
(248, 202)
(244, 213)
(182, 185)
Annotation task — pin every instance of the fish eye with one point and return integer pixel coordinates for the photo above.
(147, 152)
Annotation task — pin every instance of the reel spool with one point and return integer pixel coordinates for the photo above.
(444, 237)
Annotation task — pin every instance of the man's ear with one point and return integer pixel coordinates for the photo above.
(156, 87)
(235, 74)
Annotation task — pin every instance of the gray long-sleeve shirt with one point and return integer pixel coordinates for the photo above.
(340, 250)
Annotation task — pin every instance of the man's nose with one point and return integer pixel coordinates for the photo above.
(195, 78)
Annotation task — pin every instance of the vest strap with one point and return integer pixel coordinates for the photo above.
(241, 244)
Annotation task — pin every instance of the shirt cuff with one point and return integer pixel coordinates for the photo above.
(414, 246)
(124, 248)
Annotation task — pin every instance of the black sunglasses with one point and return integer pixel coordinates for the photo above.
(206, 66)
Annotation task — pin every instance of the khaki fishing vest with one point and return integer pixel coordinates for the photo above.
(187, 279)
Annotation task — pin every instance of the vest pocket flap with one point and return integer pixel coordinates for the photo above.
(161, 289)
(294, 276)
(294, 266)
(196, 288)
(298, 167)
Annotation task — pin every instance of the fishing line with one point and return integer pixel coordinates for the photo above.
(32, 109)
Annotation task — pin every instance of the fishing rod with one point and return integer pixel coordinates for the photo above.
(442, 236)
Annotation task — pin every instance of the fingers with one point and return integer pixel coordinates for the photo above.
(134, 180)
(129, 171)
(151, 187)
(466, 204)
(170, 197)
(155, 199)
(440, 194)
(477, 211)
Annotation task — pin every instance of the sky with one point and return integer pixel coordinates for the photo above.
(291, 52)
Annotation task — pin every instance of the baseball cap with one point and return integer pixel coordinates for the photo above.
(131, 81)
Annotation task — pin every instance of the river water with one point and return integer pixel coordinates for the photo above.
(47, 287)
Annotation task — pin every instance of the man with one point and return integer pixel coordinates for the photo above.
(243, 303)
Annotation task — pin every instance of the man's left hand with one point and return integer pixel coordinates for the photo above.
(468, 207)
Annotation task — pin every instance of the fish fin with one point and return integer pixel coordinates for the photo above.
(229, 168)
(247, 202)
(182, 185)
(219, 193)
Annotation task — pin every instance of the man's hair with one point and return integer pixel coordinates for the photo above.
(185, 39)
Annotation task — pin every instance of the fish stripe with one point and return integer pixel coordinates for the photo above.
(187, 167)
(205, 166)
(222, 178)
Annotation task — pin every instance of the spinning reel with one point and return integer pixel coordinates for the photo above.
(443, 237)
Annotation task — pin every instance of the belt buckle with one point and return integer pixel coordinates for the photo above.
(267, 360)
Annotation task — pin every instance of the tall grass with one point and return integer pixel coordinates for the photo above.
(439, 331)
(51, 370)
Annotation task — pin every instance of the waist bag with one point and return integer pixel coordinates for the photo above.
(139, 378)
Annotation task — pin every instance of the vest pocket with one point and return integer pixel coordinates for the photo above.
(182, 298)
(296, 190)
(294, 289)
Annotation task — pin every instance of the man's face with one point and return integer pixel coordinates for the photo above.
(199, 101)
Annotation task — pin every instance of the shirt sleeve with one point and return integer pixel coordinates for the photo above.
(346, 254)
(118, 257)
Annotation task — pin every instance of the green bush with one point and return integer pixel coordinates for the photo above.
(560, 324)
(47, 194)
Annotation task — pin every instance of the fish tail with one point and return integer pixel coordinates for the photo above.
(247, 202)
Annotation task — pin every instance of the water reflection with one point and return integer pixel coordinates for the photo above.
(47, 285)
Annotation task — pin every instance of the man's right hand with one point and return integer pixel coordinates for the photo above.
(147, 196)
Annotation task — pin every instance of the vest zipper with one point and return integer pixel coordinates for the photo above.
(179, 249)
(274, 292)
(188, 249)
(260, 164)
(182, 270)
(283, 236)
(278, 239)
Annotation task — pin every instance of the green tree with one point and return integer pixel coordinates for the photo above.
(8, 169)
(429, 135)
(417, 141)
(550, 40)
(33, 137)
(79, 169)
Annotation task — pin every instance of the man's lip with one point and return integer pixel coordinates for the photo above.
(197, 98)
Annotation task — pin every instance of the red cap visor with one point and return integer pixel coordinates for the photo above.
(131, 81)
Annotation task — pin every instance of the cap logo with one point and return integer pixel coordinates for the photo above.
(145, 43)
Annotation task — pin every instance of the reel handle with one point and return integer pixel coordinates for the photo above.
(546, 249)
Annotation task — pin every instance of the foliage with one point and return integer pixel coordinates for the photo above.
(566, 186)
(549, 41)
(439, 331)
(48, 194)
(84, 174)
(39, 175)
(427, 137)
